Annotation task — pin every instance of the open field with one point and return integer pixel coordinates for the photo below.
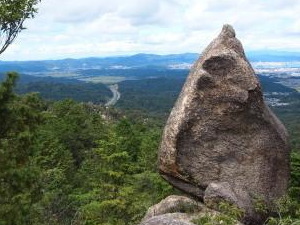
(104, 79)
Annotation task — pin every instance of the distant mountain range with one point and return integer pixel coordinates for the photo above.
(173, 61)
(118, 62)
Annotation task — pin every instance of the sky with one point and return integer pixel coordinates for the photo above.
(100, 28)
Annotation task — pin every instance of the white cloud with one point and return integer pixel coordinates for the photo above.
(99, 27)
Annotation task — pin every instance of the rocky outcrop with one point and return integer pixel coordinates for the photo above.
(172, 210)
(221, 137)
(174, 204)
(178, 210)
(169, 219)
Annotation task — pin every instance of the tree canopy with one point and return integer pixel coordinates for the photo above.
(13, 13)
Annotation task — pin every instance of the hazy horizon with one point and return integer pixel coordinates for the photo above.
(267, 52)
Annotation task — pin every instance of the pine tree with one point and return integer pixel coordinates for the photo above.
(19, 118)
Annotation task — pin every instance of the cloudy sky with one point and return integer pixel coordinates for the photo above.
(84, 28)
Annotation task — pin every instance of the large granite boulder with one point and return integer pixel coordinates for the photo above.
(220, 131)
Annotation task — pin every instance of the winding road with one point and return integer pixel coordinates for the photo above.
(116, 95)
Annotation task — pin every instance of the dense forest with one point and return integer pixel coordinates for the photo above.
(73, 163)
(66, 162)
(51, 88)
(79, 91)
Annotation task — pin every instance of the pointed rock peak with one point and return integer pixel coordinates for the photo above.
(228, 31)
(225, 42)
(221, 140)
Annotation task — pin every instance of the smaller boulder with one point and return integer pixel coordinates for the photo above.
(172, 204)
(178, 210)
(169, 219)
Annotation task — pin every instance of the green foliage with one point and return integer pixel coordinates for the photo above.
(290, 116)
(117, 181)
(287, 210)
(19, 119)
(83, 169)
(6, 97)
(13, 13)
(78, 91)
(74, 128)
(219, 219)
(282, 221)
(231, 210)
(70, 163)
(260, 205)
(206, 219)
(153, 96)
(229, 215)
(295, 169)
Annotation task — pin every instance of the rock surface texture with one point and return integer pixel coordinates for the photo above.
(169, 219)
(177, 210)
(173, 210)
(221, 138)
(174, 204)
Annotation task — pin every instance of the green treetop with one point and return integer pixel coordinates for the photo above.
(13, 13)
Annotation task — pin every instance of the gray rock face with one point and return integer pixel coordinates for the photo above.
(177, 210)
(168, 219)
(172, 204)
(220, 129)
(173, 210)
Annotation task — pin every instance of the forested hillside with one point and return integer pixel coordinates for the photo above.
(79, 91)
(76, 163)
(51, 88)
